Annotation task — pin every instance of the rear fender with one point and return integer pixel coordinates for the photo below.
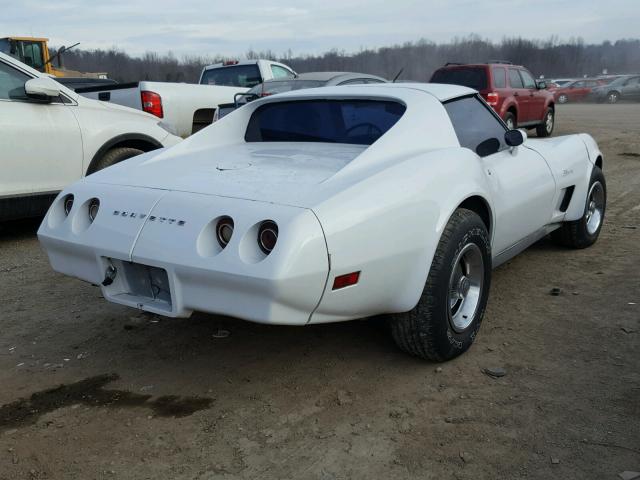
(394, 231)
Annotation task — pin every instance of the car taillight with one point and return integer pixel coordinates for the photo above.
(266, 94)
(492, 98)
(152, 103)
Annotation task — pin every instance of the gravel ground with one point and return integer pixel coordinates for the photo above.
(94, 390)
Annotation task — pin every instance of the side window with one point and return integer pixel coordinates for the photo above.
(579, 84)
(514, 79)
(12, 83)
(527, 79)
(474, 124)
(280, 72)
(354, 81)
(634, 81)
(499, 77)
(373, 80)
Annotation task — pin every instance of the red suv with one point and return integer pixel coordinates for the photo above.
(510, 89)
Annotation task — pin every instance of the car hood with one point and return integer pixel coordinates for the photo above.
(276, 172)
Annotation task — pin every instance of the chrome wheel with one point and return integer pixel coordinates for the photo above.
(548, 122)
(612, 97)
(465, 287)
(562, 99)
(595, 208)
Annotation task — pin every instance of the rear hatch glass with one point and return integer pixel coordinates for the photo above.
(357, 122)
(245, 76)
(472, 77)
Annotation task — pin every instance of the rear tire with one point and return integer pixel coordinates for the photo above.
(563, 98)
(448, 315)
(545, 129)
(613, 97)
(584, 232)
(113, 156)
(510, 121)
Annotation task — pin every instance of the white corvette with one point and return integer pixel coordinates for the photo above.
(328, 205)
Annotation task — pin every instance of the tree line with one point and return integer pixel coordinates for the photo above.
(417, 60)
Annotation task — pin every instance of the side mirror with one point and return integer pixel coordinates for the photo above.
(541, 84)
(42, 88)
(514, 138)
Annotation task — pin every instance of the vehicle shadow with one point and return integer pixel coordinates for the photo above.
(17, 229)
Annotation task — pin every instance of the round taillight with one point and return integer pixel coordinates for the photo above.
(267, 236)
(68, 204)
(94, 206)
(224, 231)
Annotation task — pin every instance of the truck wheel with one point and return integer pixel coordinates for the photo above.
(584, 232)
(613, 97)
(510, 121)
(563, 98)
(113, 156)
(447, 317)
(545, 129)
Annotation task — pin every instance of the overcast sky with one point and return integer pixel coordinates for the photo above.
(215, 27)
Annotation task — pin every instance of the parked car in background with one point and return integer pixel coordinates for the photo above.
(303, 80)
(576, 91)
(188, 107)
(332, 204)
(623, 88)
(560, 82)
(511, 90)
(50, 137)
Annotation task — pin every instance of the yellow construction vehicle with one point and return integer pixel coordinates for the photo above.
(34, 52)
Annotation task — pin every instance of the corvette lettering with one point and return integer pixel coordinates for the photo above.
(152, 218)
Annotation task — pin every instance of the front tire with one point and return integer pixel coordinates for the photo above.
(545, 129)
(448, 315)
(584, 232)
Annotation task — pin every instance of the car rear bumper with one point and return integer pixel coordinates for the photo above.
(158, 252)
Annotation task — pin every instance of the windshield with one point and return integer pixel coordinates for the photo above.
(472, 77)
(245, 76)
(359, 122)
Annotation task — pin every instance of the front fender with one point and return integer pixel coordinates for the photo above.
(388, 226)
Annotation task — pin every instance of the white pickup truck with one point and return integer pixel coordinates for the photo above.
(189, 108)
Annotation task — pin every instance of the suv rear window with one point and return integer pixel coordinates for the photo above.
(245, 76)
(358, 122)
(472, 77)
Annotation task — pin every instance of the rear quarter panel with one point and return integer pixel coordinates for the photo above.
(388, 227)
(181, 100)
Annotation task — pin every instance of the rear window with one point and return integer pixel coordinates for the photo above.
(245, 76)
(271, 88)
(359, 122)
(472, 77)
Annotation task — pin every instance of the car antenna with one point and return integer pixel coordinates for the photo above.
(398, 75)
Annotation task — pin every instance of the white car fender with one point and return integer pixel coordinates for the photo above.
(101, 125)
(569, 169)
(361, 242)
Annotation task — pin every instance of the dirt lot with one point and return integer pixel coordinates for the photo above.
(143, 397)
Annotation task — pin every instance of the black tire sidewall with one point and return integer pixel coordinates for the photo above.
(448, 341)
